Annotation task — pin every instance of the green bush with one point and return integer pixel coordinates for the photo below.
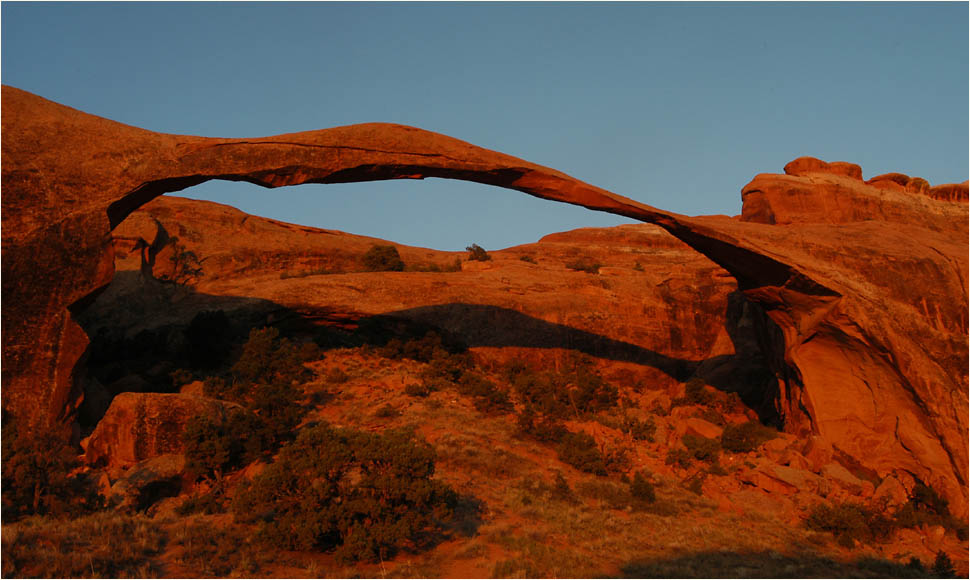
(746, 437)
(387, 412)
(488, 398)
(267, 359)
(210, 502)
(641, 430)
(927, 507)
(702, 448)
(580, 451)
(849, 523)
(35, 475)
(477, 254)
(943, 566)
(641, 489)
(561, 491)
(544, 429)
(694, 394)
(577, 390)
(417, 390)
(262, 380)
(186, 267)
(680, 457)
(383, 258)
(585, 264)
(215, 445)
(358, 493)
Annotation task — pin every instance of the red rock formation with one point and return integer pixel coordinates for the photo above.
(864, 288)
(140, 426)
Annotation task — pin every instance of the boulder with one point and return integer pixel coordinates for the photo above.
(785, 480)
(842, 477)
(146, 482)
(891, 492)
(139, 426)
(702, 428)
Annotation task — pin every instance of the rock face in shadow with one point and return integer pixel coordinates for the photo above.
(864, 284)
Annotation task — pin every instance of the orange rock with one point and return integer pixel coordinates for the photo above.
(841, 476)
(139, 426)
(809, 165)
(702, 428)
(859, 294)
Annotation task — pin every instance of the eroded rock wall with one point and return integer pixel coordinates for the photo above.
(875, 281)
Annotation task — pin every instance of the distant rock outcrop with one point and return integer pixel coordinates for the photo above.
(862, 287)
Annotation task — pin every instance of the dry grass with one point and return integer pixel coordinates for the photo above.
(100, 545)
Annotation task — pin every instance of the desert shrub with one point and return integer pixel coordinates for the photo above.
(927, 507)
(550, 393)
(592, 392)
(212, 501)
(561, 491)
(702, 448)
(35, 472)
(713, 415)
(641, 489)
(580, 451)
(528, 258)
(387, 412)
(617, 459)
(433, 267)
(420, 349)
(694, 394)
(585, 264)
(477, 253)
(448, 367)
(679, 457)
(641, 430)
(209, 338)
(849, 523)
(262, 380)
(383, 258)
(417, 390)
(488, 398)
(746, 437)
(360, 494)
(544, 391)
(267, 358)
(544, 429)
(943, 566)
(217, 444)
(186, 267)
(695, 483)
(278, 407)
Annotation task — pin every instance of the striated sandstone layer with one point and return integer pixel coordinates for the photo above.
(864, 288)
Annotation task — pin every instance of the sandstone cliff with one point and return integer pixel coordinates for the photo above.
(860, 287)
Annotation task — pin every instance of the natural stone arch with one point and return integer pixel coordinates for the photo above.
(70, 177)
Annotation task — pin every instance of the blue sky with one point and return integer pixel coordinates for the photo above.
(676, 105)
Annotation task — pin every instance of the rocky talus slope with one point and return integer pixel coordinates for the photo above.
(856, 291)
